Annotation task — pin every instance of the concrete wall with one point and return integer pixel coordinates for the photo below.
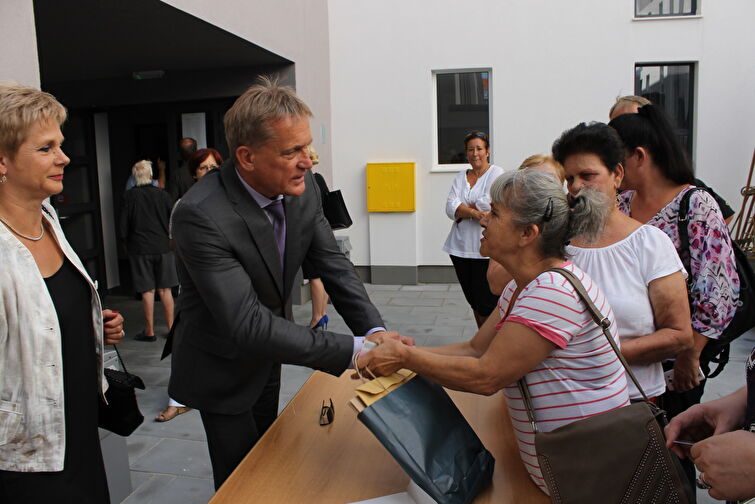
(18, 38)
(294, 29)
(554, 64)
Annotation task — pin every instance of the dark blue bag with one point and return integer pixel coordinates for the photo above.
(425, 432)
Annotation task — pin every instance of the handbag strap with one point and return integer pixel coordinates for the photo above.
(603, 322)
(120, 359)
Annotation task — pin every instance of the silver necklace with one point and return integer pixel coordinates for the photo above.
(32, 238)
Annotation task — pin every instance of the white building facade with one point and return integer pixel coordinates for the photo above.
(368, 70)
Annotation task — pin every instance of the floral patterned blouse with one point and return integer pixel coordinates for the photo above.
(714, 290)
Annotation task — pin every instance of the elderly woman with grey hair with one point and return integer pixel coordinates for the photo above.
(541, 325)
(52, 325)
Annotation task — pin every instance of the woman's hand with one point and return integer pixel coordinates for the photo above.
(727, 464)
(113, 326)
(686, 369)
(708, 419)
(385, 359)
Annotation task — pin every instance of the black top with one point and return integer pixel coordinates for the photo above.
(180, 181)
(144, 220)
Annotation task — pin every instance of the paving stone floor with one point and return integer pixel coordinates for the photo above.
(169, 461)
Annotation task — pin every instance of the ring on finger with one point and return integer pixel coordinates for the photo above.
(701, 483)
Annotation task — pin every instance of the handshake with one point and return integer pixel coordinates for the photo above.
(390, 354)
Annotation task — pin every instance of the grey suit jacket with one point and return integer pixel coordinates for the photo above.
(233, 319)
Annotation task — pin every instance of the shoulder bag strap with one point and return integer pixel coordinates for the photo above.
(683, 223)
(603, 322)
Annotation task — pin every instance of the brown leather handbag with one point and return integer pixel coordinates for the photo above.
(616, 457)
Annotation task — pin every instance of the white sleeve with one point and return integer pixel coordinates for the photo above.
(658, 256)
(484, 199)
(454, 196)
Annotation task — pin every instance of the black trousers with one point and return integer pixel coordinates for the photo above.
(677, 402)
(230, 437)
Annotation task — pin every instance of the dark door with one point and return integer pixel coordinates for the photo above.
(79, 204)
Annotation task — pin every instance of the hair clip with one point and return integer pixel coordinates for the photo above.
(548, 210)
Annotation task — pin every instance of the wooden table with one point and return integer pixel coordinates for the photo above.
(298, 461)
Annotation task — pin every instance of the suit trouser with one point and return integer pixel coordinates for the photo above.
(230, 437)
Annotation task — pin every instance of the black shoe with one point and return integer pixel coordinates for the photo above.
(143, 337)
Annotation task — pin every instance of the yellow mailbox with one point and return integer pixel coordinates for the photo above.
(390, 187)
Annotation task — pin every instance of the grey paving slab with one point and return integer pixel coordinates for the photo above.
(415, 301)
(138, 479)
(162, 489)
(425, 287)
(394, 319)
(438, 310)
(445, 294)
(138, 445)
(183, 457)
(374, 287)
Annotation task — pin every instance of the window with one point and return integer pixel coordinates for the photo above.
(670, 86)
(463, 99)
(659, 8)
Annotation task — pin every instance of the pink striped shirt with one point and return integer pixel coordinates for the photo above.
(582, 377)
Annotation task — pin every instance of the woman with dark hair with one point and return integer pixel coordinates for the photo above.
(541, 329)
(635, 265)
(657, 176)
(467, 203)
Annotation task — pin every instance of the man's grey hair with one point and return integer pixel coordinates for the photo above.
(538, 198)
(142, 172)
(248, 121)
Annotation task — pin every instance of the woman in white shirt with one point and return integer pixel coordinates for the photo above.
(635, 265)
(468, 201)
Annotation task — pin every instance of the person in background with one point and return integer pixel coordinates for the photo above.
(635, 265)
(52, 325)
(144, 226)
(723, 433)
(316, 288)
(630, 105)
(541, 327)
(200, 164)
(497, 275)
(181, 179)
(158, 182)
(467, 203)
(657, 174)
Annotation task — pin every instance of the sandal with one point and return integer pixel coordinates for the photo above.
(171, 412)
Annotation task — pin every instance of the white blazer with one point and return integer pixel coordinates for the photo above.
(32, 419)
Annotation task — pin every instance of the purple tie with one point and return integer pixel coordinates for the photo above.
(275, 210)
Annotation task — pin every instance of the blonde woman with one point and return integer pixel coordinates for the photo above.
(52, 325)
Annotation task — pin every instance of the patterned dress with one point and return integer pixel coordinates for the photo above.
(714, 290)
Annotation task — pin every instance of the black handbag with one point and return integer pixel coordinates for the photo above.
(121, 414)
(427, 435)
(617, 456)
(717, 351)
(336, 211)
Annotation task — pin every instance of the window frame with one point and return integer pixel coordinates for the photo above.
(692, 97)
(437, 167)
(694, 14)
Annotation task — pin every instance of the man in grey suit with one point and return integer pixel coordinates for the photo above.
(241, 234)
